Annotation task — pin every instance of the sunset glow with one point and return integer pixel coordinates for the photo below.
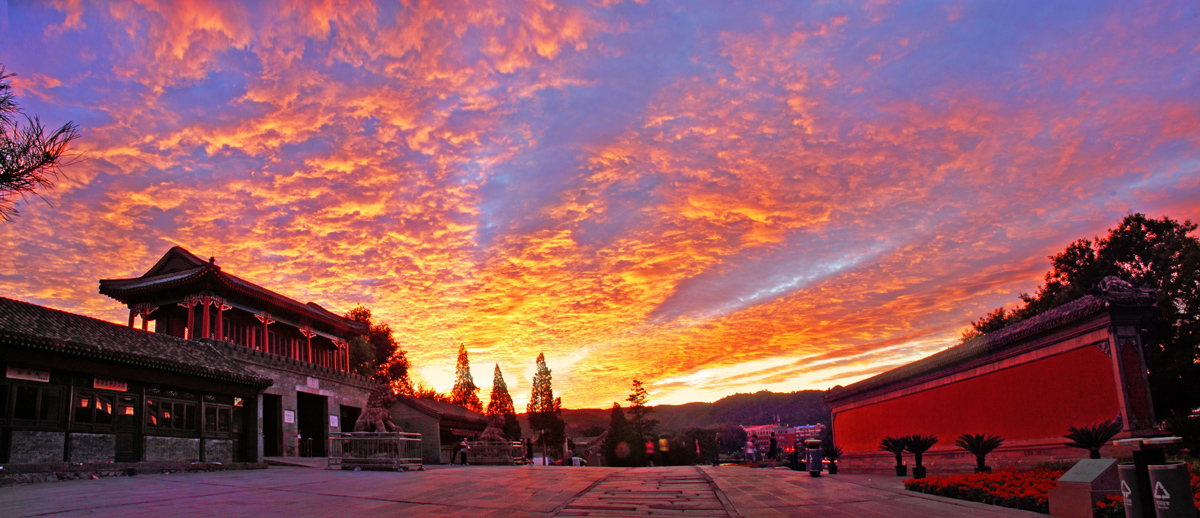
(712, 196)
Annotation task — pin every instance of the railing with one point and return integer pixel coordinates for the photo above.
(371, 450)
(496, 452)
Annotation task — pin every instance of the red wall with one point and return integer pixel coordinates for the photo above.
(1034, 400)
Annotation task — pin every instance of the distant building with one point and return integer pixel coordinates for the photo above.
(441, 425)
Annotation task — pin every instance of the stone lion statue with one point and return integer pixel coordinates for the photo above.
(376, 417)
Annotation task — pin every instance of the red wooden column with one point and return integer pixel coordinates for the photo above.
(340, 358)
(266, 320)
(308, 334)
(189, 303)
(145, 313)
(221, 307)
(132, 313)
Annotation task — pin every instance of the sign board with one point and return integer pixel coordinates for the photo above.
(22, 373)
(289, 416)
(107, 384)
(333, 421)
(314, 382)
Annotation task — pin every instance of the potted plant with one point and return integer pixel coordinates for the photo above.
(833, 453)
(918, 445)
(1093, 437)
(896, 446)
(979, 445)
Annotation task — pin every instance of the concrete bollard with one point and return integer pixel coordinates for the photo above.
(1172, 490)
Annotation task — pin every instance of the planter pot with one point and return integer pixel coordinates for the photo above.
(902, 470)
(833, 468)
(919, 472)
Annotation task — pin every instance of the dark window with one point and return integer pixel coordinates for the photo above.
(223, 419)
(189, 413)
(152, 411)
(125, 411)
(210, 418)
(104, 410)
(25, 406)
(3, 402)
(84, 412)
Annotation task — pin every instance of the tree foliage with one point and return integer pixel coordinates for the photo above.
(465, 392)
(362, 356)
(619, 443)
(1093, 437)
(1158, 254)
(501, 403)
(388, 362)
(545, 410)
(30, 157)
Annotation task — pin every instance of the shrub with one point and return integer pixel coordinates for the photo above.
(1093, 437)
(895, 445)
(919, 444)
(1187, 428)
(979, 445)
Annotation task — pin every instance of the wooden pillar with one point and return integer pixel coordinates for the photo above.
(132, 313)
(190, 303)
(221, 307)
(204, 326)
(266, 320)
(145, 320)
(308, 334)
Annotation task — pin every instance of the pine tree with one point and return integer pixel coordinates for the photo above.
(617, 447)
(465, 392)
(640, 426)
(501, 403)
(544, 410)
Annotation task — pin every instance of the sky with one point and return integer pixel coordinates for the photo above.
(712, 196)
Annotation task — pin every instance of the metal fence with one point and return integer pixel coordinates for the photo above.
(496, 452)
(370, 450)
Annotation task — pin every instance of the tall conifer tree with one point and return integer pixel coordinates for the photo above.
(501, 403)
(465, 392)
(545, 411)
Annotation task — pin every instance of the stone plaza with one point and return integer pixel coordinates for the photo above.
(490, 491)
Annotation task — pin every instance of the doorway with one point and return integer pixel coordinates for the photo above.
(272, 425)
(125, 424)
(349, 417)
(312, 423)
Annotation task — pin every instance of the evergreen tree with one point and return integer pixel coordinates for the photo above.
(617, 446)
(501, 403)
(545, 410)
(465, 392)
(641, 427)
(29, 155)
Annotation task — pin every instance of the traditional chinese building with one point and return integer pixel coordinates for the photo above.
(441, 425)
(91, 393)
(301, 347)
(1076, 365)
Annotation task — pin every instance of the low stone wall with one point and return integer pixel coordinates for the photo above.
(948, 460)
(36, 447)
(171, 449)
(19, 474)
(218, 450)
(92, 447)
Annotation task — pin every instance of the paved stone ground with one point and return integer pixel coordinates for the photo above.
(483, 491)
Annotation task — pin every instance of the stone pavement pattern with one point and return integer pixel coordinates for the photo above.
(483, 491)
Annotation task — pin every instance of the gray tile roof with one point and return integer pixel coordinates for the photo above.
(31, 325)
(442, 410)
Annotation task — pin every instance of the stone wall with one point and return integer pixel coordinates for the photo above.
(291, 376)
(410, 419)
(36, 447)
(158, 449)
(93, 447)
(218, 450)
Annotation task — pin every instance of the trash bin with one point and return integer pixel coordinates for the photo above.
(1131, 491)
(1172, 490)
(814, 456)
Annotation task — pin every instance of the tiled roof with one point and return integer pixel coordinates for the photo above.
(208, 272)
(30, 325)
(998, 340)
(442, 410)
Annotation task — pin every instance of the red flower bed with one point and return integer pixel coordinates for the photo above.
(1017, 489)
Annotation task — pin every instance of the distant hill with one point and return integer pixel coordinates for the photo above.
(792, 408)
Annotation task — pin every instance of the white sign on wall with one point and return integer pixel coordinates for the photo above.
(22, 373)
(289, 416)
(333, 421)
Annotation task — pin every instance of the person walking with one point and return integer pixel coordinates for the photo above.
(463, 447)
(771, 450)
(750, 450)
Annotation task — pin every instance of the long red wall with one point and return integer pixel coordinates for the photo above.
(1030, 401)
